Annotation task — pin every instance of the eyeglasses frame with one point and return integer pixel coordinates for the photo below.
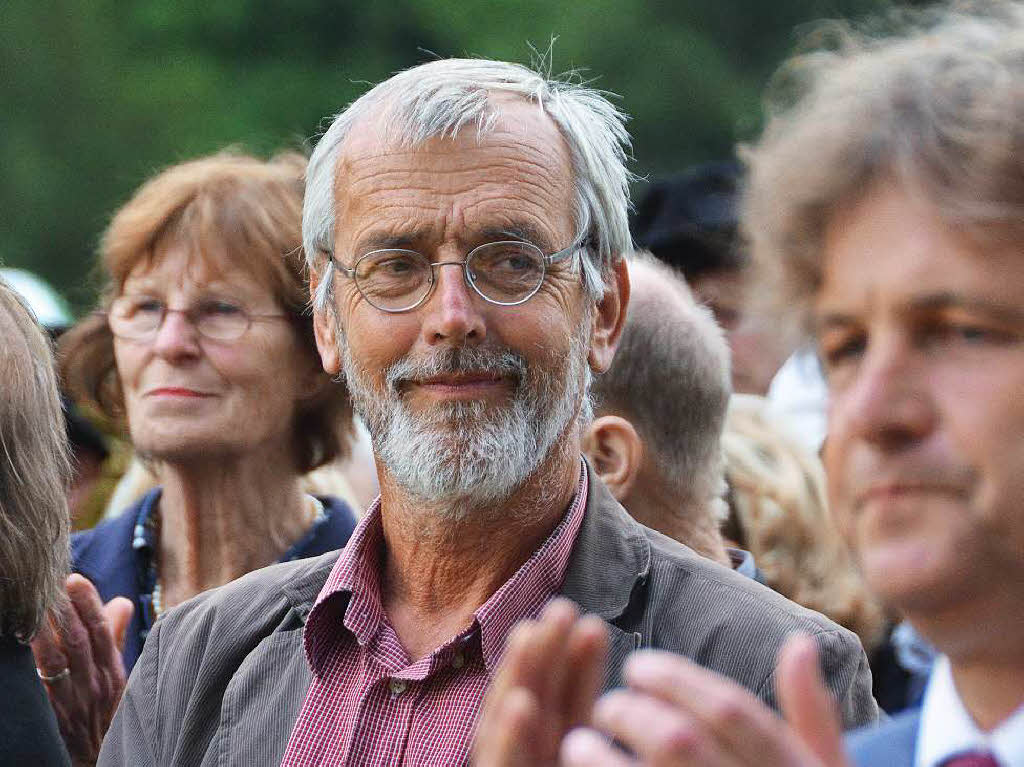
(189, 315)
(546, 261)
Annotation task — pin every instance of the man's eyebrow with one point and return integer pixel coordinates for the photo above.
(376, 240)
(832, 320)
(517, 230)
(949, 300)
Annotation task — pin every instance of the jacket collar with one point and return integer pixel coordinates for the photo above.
(611, 557)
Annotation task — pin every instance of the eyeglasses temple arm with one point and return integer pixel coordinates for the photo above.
(561, 255)
(338, 265)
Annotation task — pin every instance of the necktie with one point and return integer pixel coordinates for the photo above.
(971, 759)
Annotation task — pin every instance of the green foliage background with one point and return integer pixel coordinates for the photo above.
(99, 94)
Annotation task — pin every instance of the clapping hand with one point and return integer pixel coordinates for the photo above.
(78, 654)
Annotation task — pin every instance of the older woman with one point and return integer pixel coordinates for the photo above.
(206, 350)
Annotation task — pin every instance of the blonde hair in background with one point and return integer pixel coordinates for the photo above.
(932, 98)
(779, 513)
(34, 474)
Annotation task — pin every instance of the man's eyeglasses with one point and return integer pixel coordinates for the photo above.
(506, 273)
(139, 318)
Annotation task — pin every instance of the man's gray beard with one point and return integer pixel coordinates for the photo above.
(461, 456)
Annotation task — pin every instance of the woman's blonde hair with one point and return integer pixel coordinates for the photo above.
(778, 511)
(231, 208)
(34, 474)
(933, 99)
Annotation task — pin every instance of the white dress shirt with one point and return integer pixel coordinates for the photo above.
(947, 729)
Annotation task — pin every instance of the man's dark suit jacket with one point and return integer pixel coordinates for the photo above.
(222, 677)
(891, 744)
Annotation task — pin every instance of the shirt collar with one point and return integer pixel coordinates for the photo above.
(534, 583)
(948, 729)
(352, 595)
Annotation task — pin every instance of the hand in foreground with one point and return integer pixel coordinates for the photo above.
(78, 653)
(546, 684)
(676, 713)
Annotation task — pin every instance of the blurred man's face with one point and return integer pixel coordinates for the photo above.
(757, 349)
(921, 334)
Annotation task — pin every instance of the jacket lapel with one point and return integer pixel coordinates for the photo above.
(608, 570)
(266, 693)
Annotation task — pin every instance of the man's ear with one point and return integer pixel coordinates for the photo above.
(616, 452)
(325, 328)
(609, 318)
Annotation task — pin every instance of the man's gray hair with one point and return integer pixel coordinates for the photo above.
(442, 97)
(34, 473)
(670, 378)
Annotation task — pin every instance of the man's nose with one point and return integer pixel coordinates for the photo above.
(453, 312)
(177, 336)
(887, 401)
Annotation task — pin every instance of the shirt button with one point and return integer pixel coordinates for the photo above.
(397, 686)
(458, 661)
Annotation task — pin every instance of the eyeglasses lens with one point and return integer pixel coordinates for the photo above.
(502, 272)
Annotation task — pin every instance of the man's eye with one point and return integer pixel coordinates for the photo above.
(835, 353)
(396, 266)
(958, 332)
(516, 262)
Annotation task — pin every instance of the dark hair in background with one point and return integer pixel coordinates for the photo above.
(689, 221)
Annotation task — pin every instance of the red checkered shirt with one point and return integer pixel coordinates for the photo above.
(368, 702)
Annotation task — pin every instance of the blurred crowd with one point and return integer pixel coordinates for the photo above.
(432, 448)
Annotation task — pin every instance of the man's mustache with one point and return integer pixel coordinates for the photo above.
(462, 360)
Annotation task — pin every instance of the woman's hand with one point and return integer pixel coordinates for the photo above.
(78, 654)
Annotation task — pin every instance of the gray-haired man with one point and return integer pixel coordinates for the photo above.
(464, 222)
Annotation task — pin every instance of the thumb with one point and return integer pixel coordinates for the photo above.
(806, 703)
(118, 612)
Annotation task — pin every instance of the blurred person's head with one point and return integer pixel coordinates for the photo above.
(690, 223)
(660, 410)
(885, 211)
(204, 343)
(465, 222)
(778, 511)
(88, 447)
(34, 472)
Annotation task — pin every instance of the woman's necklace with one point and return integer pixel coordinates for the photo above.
(157, 598)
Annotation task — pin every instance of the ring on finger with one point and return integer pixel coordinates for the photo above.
(64, 673)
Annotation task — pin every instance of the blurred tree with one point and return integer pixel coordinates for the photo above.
(101, 94)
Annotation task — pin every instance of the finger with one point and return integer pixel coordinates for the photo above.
(681, 682)
(504, 738)
(75, 639)
(587, 652)
(805, 701)
(550, 660)
(586, 748)
(47, 649)
(103, 654)
(656, 732)
(723, 712)
(511, 672)
(118, 612)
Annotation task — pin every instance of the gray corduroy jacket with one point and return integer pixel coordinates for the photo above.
(222, 677)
